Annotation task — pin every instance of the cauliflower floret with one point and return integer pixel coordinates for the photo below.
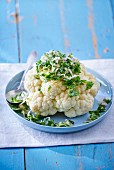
(41, 104)
(47, 96)
(80, 104)
(32, 84)
(95, 86)
(52, 88)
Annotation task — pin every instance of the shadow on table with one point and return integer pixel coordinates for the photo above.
(66, 142)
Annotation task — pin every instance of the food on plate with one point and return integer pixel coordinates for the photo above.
(24, 110)
(95, 114)
(60, 83)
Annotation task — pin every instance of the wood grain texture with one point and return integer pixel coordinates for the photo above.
(103, 24)
(112, 7)
(11, 159)
(40, 29)
(96, 156)
(78, 36)
(80, 157)
(89, 28)
(76, 26)
(51, 158)
(8, 34)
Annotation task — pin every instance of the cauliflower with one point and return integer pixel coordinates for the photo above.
(41, 104)
(60, 83)
(31, 83)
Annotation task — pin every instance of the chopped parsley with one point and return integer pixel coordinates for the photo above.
(66, 123)
(58, 66)
(39, 89)
(36, 76)
(73, 93)
(95, 114)
(18, 98)
(76, 68)
(49, 88)
(89, 85)
(47, 121)
(15, 99)
(106, 100)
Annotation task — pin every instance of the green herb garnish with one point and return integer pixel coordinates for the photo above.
(58, 66)
(95, 114)
(47, 121)
(89, 85)
(39, 89)
(16, 99)
(36, 76)
(49, 88)
(73, 93)
(32, 117)
(66, 123)
(106, 100)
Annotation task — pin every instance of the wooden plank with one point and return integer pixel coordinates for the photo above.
(96, 156)
(103, 23)
(51, 158)
(77, 35)
(11, 159)
(40, 28)
(92, 157)
(8, 34)
(112, 7)
(88, 28)
(76, 26)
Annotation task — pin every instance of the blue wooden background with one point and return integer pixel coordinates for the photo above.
(83, 27)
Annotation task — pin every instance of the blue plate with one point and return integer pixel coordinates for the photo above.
(104, 92)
